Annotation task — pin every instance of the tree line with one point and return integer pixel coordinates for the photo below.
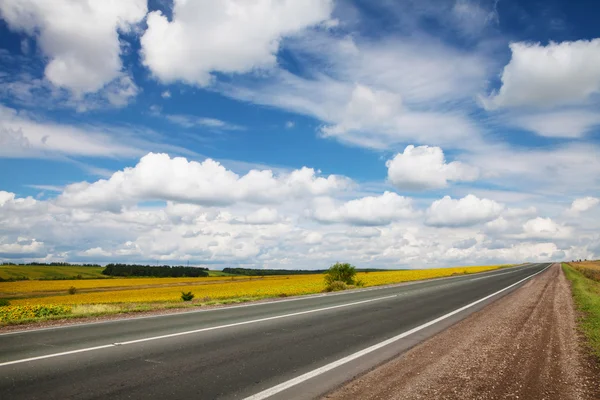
(162, 271)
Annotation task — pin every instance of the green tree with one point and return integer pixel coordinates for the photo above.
(342, 272)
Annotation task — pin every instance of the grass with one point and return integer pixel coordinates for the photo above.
(586, 293)
(219, 273)
(51, 272)
(20, 272)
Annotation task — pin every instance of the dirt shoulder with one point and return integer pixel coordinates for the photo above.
(524, 346)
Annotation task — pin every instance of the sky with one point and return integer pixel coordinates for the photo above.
(295, 134)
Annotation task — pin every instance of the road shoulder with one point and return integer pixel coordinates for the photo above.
(524, 346)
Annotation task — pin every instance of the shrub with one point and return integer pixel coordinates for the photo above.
(187, 296)
(336, 286)
(340, 272)
(4, 302)
(72, 290)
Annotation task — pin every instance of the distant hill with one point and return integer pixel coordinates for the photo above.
(23, 272)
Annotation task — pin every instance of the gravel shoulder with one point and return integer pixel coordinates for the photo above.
(524, 346)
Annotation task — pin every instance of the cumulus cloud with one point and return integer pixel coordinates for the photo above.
(65, 29)
(544, 76)
(545, 228)
(160, 177)
(22, 248)
(229, 36)
(370, 210)
(583, 204)
(263, 216)
(424, 167)
(469, 210)
(240, 234)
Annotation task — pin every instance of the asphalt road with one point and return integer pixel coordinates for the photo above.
(237, 352)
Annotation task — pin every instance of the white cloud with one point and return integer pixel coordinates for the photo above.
(190, 121)
(24, 137)
(469, 210)
(290, 124)
(229, 36)
(567, 124)
(376, 94)
(263, 216)
(570, 168)
(583, 204)
(376, 118)
(159, 177)
(95, 252)
(370, 210)
(120, 91)
(543, 76)
(65, 30)
(166, 94)
(221, 235)
(520, 212)
(545, 228)
(424, 167)
(22, 248)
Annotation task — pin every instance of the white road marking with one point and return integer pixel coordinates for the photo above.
(302, 378)
(212, 328)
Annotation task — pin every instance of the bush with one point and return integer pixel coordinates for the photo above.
(72, 290)
(187, 296)
(340, 272)
(4, 302)
(336, 286)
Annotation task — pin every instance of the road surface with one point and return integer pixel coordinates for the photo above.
(295, 348)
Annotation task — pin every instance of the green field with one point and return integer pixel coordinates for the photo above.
(20, 272)
(23, 272)
(586, 293)
(219, 273)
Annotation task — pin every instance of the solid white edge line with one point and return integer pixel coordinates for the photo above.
(212, 328)
(272, 301)
(299, 379)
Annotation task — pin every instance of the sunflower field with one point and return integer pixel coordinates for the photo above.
(219, 289)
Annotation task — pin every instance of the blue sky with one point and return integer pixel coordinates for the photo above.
(289, 134)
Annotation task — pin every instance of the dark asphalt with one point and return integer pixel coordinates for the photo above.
(231, 362)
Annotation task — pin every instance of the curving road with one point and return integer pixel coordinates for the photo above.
(295, 348)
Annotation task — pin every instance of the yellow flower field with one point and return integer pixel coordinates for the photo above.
(7, 288)
(256, 288)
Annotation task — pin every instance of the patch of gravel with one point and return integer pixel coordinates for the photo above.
(524, 346)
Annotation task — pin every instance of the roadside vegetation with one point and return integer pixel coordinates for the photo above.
(341, 277)
(93, 297)
(585, 282)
